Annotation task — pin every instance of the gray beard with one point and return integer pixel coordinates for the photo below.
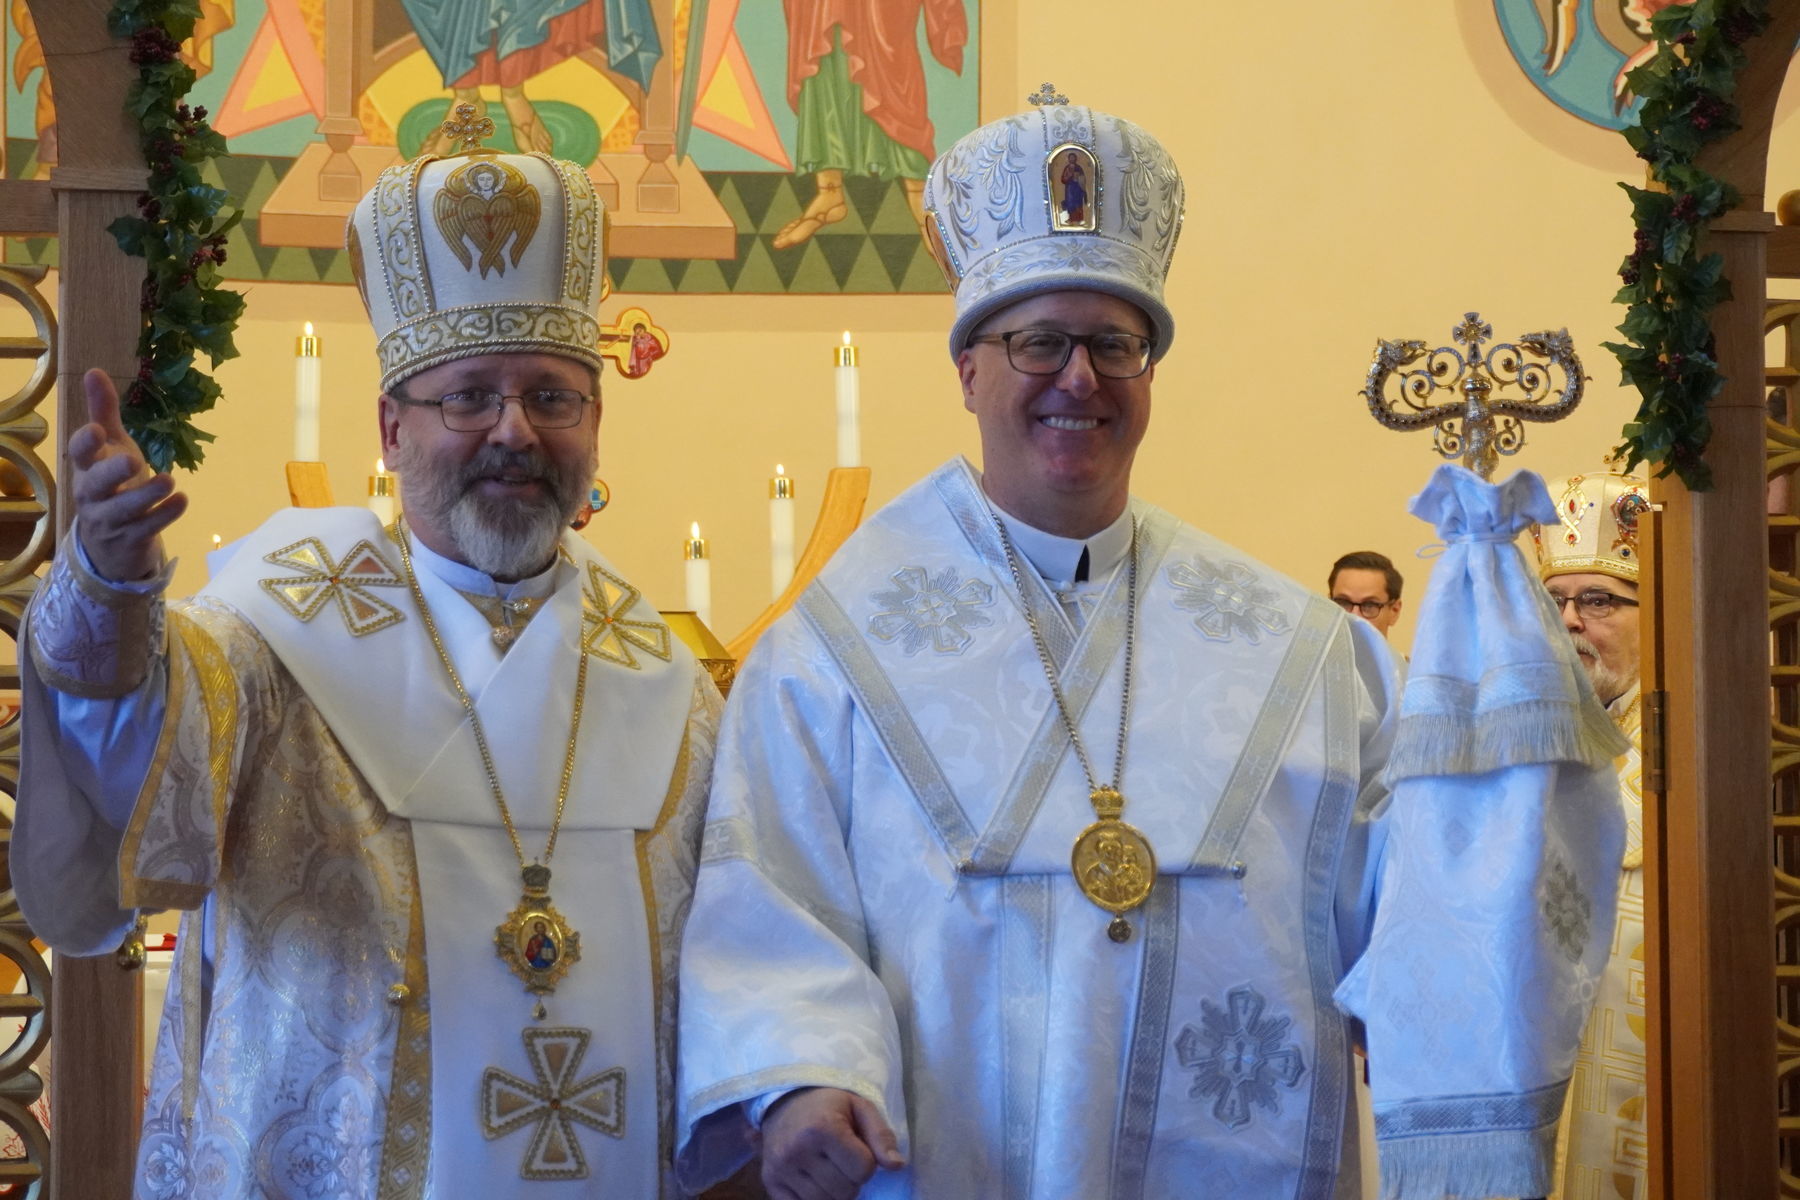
(1609, 684)
(502, 538)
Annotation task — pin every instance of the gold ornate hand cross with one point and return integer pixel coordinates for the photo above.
(467, 129)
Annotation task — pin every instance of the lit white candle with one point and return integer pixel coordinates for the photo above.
(306, 396)
(699, 575)
(849, 436)
(381, 493)
(781, 532)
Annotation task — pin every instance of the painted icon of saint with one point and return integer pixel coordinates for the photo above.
(645, 350)
(540, 949)
(1118, 875)
(1074, 196)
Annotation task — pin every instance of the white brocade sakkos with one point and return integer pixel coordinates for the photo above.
(1603, 1151)
(885, 902)
(316, 799)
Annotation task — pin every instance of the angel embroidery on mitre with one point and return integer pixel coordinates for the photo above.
(488, 204)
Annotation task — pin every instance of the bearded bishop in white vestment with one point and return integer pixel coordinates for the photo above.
(887, 903)
(287, 758)
(1603, 1151)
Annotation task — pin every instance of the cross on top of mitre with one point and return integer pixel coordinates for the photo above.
(1047, 94)
(467, 129)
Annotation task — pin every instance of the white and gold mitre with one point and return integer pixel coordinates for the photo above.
(476, 253)
(1058, 198)
(1597, 527)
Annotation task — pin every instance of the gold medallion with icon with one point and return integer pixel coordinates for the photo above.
(1113, 862)
(535, 940)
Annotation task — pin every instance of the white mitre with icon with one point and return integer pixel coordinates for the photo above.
(1061, 197)
(478, 252)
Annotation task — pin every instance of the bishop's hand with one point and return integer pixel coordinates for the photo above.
(121, 506)
(823, 1144)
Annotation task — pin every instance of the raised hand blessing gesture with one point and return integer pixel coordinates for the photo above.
(121, 506)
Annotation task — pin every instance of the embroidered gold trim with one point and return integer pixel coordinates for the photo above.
(406, 1138)
(659, 986)
(193, 1029)
(397, 234)
(204, 668)
(79, 638)
(579, 231)
(159, 894)
(320, 580)
(108, 594)
(468, 329)
(552, 1102)
(605, 631)
(487, 202)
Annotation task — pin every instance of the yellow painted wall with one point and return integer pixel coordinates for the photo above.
(1353, 172)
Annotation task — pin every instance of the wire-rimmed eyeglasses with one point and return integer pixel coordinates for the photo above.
(1595, 604)
(476, 410)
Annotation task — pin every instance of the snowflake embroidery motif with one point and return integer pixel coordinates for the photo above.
(1229, 600)
(1239, 1057)
(1566, 910)
(925, 610)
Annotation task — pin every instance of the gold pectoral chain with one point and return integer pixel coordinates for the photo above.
(1112, 861)
(535, 941)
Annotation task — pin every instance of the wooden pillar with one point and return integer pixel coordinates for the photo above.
(96, 1009)
(1714, 1103)
(1712, 1089)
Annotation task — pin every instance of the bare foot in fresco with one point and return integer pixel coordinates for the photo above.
(529, 133)
(827, 208)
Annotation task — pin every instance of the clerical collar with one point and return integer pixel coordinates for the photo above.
(1057, 560)
(471, 582)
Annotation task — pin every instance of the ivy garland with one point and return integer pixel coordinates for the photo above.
(1670, 287)
(180, 234)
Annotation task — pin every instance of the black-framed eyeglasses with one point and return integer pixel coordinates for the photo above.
(1595, 604)
(1046, 351)
(477, 410)
(1368, 609)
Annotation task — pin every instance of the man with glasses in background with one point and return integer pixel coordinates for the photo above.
(1365, 582)
(1589, 564)
(1046, 827)
(430, 793)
